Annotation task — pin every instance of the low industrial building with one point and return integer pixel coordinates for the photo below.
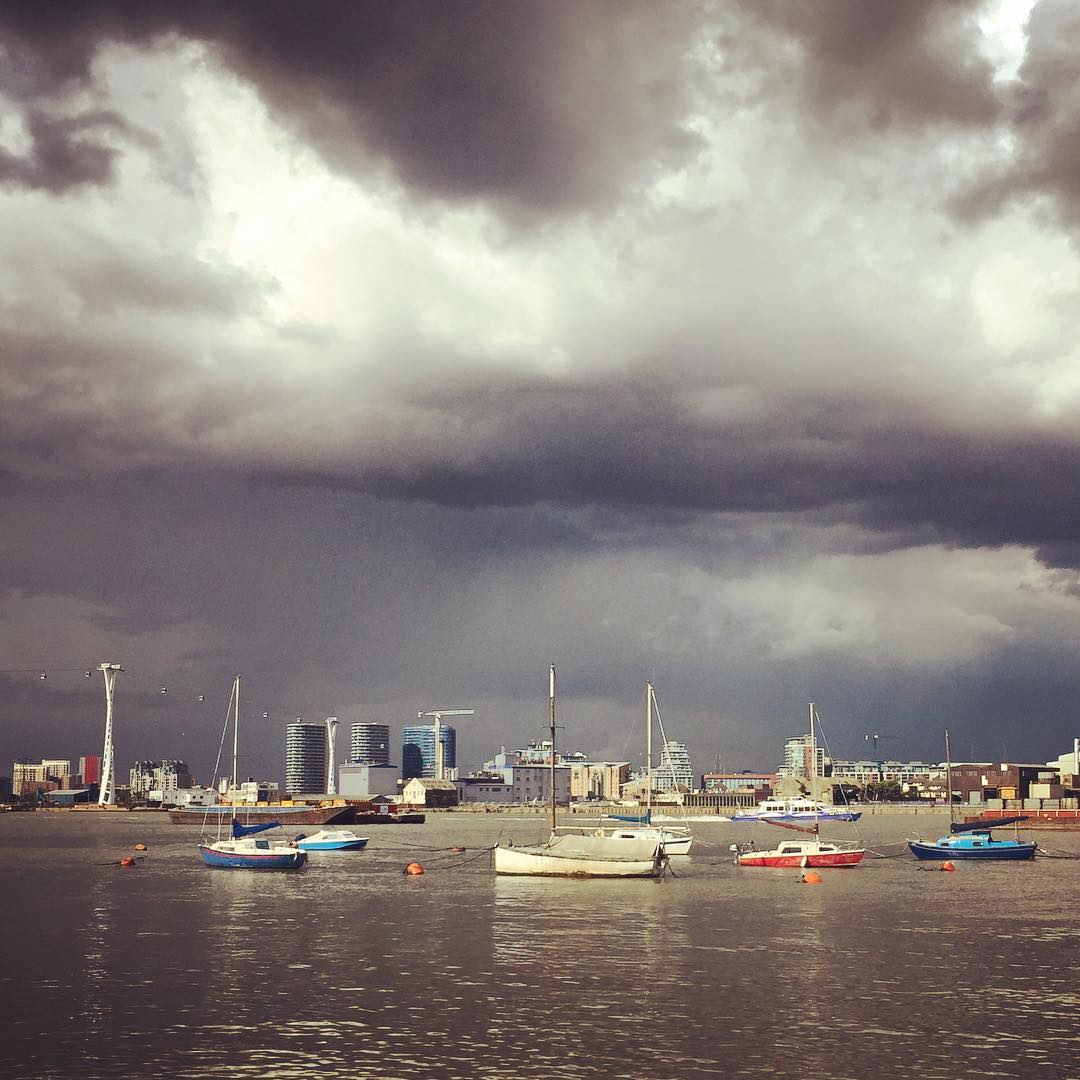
(184, 797)
(484, 789)
(72, 796)
(362, 781)
(979, 781)
(420, 791)
(597, 779)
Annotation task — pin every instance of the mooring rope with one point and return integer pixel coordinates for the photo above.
(1056, 854)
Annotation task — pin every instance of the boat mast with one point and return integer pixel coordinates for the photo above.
(437, 731)
(551, 707)
(648, 747)
(813, 755)
(235, 731)
(948, 779)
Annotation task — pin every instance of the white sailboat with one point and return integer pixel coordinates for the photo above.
(583, 853)
(677, 839)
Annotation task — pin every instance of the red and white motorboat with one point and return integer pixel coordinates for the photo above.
(803, 853)
(816, 853)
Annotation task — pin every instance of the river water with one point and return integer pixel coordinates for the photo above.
(351, 969)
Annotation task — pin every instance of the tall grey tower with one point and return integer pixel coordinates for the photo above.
(369, 744)
(107, 784)
(305, 758)
(331, 750)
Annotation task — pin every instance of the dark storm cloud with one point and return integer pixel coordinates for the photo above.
(888, 63)
(65, 152)
(544, 105)
(1045, 120)
(634, 443)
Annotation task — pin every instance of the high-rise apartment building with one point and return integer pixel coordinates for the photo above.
(418, 750)
(676, 770)
(798, 761)
(28, 777)
(90, 769)
(58, 770)
(305, 758)
(50, 773)
(147, 776)
(369, 744)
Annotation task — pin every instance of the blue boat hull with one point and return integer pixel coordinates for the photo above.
(291, 860)
(996, 850)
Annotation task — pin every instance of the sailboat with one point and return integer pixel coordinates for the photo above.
(973, 840)
(244, 848)
(676, 839)
(590, 853)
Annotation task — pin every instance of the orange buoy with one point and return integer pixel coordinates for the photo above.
(947, 865)
(140, 847)
(413, 869)
(812, 878)
(127, 861)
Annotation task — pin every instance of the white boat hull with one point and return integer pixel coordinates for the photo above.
(584, 856)
(677, 845)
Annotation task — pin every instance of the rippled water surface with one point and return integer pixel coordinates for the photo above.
(349, 968)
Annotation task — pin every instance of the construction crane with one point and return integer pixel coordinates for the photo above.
(437, 715)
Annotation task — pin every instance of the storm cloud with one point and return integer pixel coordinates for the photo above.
(726, 344)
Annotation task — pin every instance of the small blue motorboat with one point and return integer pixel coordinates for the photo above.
(331, 840)
(974, 840)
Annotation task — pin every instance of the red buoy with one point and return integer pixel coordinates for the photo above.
(947, 865)
(127, 860)
(413, 869)
(811, 878)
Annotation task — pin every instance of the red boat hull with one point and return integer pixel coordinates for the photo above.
(824, 860)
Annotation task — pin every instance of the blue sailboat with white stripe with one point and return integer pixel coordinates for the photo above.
(246, 848)
(974, 839)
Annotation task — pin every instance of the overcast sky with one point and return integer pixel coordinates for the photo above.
(387, 353)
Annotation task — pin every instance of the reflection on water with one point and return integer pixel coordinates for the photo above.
(349, 968)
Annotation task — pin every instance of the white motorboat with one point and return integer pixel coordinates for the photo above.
(332, 840)
(798, 810)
